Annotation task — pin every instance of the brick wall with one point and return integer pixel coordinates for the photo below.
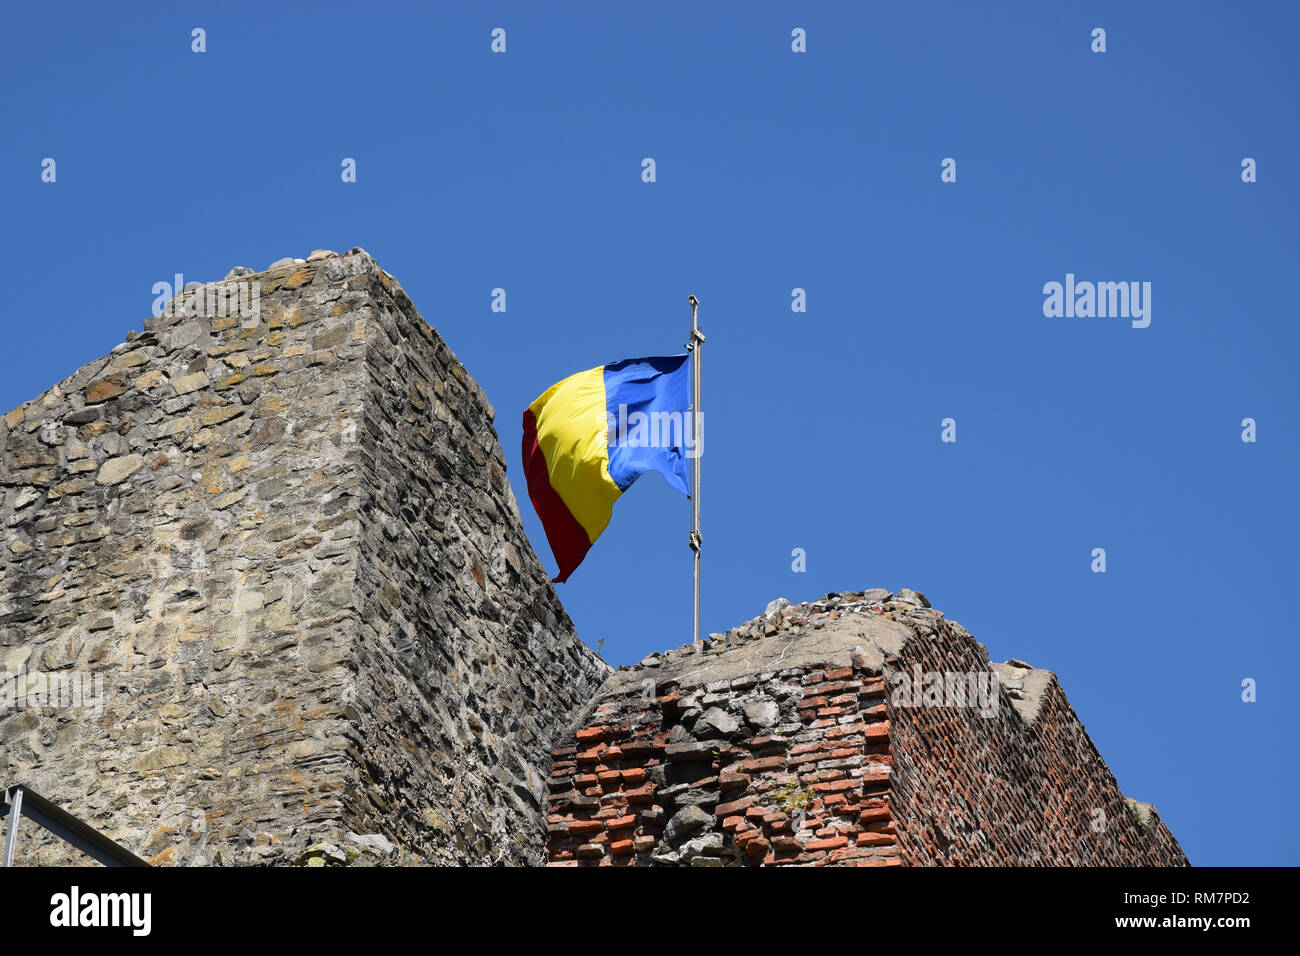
(789, 740)
(810, 786)
(1023, 786)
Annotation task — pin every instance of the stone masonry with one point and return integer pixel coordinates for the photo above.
(265, 596)
(814, 735)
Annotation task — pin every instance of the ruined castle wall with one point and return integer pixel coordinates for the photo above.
(276, 559)
(769, 748)
(789, 741)
(1018, 784)
(285, 546)
(180, 521)
(749, 771)
(468, 662)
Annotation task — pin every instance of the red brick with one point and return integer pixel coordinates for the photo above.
(641, 795)
(831, 843)
(763, 763)
(735, 806)
(621, 847)
(583, 827)
(844, 730)
(634, 776)
(878, 731)
(875, 839)
(588, 734)
(845, 853)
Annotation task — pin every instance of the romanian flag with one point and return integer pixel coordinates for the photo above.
(588, 437)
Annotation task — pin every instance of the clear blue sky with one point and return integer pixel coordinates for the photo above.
(778, 170)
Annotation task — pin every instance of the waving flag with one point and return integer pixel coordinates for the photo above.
(588, 437)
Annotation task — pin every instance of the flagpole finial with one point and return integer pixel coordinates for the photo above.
(696, 334)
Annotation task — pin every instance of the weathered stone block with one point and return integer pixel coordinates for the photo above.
(255, 567)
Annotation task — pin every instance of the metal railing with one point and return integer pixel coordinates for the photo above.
(18, 801)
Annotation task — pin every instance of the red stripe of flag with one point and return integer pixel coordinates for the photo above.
(569, 542)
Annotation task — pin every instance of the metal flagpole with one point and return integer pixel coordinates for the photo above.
(696, 349)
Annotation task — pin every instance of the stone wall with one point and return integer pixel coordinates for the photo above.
(467, 660)
(278, 555)
(796, 739)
